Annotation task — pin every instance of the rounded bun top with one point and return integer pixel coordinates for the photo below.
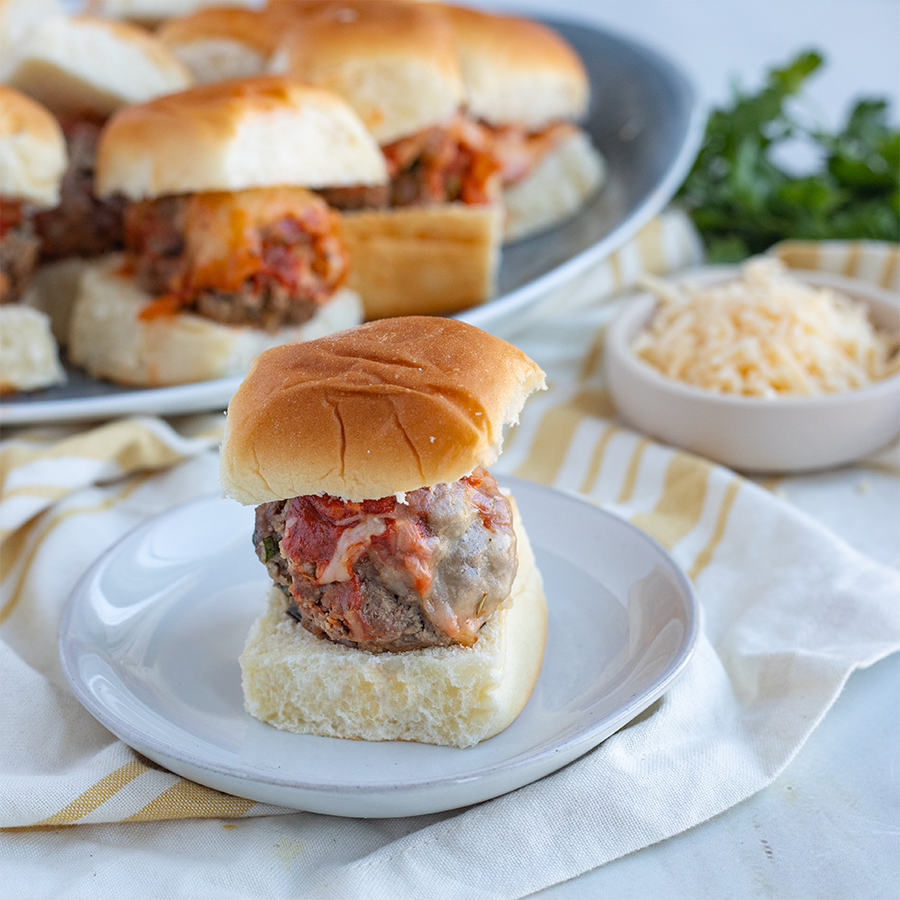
(394, 63)
(234, 135)
(517, 71)
(248, 26)
(384, 408)
(32, 150)
(81, 64)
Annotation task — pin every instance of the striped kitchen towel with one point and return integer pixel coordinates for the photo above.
(789, 612)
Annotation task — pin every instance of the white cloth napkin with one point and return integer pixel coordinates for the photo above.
(789, 611)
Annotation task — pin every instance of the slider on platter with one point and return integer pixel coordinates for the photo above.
(405, 602)
(429, 240)
(527, 88)
(32, 162)
(83, 69)
(228, 250)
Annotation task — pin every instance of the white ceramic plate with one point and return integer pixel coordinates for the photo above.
(151, 636)
(646, 119)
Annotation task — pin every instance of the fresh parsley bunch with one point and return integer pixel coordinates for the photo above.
(742, 201)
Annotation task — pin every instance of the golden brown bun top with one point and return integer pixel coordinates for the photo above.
(234, 135)
(247, 26)
(388, 407)
(32, 150)
(395, 63)
(516, 70)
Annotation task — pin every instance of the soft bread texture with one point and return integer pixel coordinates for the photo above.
(152, 12)
(390, 406)
(517, 71)
(18, 18)
(423, 260)
(222, 42)
(394, 63)
(84, 65)
(53, 289)
(109, 340)
(32, 150)
(557, 188)
(29, 358)
(452, 696)
(245, 133)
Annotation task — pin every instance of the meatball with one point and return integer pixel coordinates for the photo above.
(399, 573)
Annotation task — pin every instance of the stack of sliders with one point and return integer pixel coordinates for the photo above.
(83, 69)
(476, 115)
(228, 250)
(405, 603)
(32, 162)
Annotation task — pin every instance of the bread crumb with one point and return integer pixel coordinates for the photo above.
(862, 487)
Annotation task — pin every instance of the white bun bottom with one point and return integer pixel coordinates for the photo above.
(109, 340)
(452, 696)
(29, 357)
(53, 289)
(559, 186)
(423, 260)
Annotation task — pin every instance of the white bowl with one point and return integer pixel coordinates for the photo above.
(749, 433)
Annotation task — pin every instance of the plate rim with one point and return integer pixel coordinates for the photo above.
(581, 742)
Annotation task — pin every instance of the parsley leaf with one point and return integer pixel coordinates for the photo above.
(742, 201)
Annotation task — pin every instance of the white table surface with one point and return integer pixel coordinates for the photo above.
(829, 827)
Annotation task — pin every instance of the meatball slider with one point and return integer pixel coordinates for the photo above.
(83, 69)
(32, 162)
(527, 87)
(406, 604)
(430, 242)
(228, 251)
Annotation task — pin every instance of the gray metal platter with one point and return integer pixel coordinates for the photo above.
(646, 119)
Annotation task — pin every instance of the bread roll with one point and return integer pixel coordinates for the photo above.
(32, 150)
(84, 65)
(151, 12)
(53, 290)
(109, 340)
(18, 18)
(222, 42)
(394, 63)
(517, 71)
(453, 696)
(390, 406)
(423, 260)
(233, 135)
(557, 188)
(29, 358)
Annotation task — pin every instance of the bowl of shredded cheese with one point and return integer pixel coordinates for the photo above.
(761, 368)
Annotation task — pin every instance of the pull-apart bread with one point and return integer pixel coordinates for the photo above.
(227, 249)
(405, 603)
(32, 162)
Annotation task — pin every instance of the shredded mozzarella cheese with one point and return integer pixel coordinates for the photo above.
(765, 334)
